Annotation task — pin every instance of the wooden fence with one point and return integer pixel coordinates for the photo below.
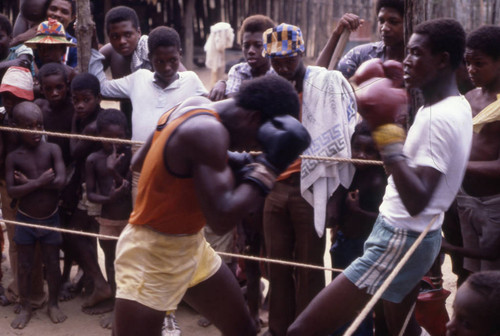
(315, 17)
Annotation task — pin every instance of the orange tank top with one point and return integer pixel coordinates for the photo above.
(165, 202)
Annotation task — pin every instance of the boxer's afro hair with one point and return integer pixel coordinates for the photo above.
(271, 95)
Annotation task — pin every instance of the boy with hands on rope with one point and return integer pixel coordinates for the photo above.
(35, 174)
(426, 171)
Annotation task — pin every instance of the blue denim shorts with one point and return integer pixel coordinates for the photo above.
(384, 248)
(24, 235)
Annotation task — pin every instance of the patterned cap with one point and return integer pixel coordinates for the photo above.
(283, 40)
(19, 82)
(49, 32)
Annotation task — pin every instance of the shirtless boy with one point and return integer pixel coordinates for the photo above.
(479, 200)
(127, 50)
(85, 96)
(31, 13)
(164, 238)
(426, 172)
(16, 87)
(86, 99)
(56, 105)
(108, 183)
(34, 175)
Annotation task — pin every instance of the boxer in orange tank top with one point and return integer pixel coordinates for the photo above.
(186, 182)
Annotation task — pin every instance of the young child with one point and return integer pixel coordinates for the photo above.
(479, 198)
(31, 13)
(353, 211)
(19, 55)
(50, 43)
(108, 183)
(34, 175)
(255, 64)
(60, 10)
(56, 105)
(86, 97)
(476, 310)
(16, 87)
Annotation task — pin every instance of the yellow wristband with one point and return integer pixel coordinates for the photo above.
(388, 134)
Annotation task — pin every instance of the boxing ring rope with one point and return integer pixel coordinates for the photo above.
(235, 255)
(359, 319)
(132, 142)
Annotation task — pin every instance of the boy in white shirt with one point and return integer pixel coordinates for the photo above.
(426, 171)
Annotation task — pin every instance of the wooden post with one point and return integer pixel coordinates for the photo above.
(415, 13)
(188, 34)
(84, 30)
(339, 49)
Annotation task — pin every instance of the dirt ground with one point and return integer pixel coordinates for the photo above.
(79, 323)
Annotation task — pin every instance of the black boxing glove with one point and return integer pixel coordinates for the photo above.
(238, 162)
(282, 140)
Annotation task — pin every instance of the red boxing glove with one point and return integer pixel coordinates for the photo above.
(369, 69)
(394, 71)
(379, 102)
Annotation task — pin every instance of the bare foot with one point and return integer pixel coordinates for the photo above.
(107, 321)
(258, 325)
(22, 319)
(98, 295)
(18, 308)
(55, 314)
(67, 292)
(3, 299)
(204, 322)
(100, 308)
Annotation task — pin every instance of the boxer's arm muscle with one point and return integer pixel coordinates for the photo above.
(223, 203)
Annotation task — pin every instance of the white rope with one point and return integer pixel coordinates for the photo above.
(133, 142)
(235, 255)
(407, 320)
(71, 136)
(280, 262)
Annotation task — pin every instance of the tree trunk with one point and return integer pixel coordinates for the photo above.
(188, 34)
(84, 30)
(415, 13)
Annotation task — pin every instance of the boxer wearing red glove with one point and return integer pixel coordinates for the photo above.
(420, 189)
(379, 103)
